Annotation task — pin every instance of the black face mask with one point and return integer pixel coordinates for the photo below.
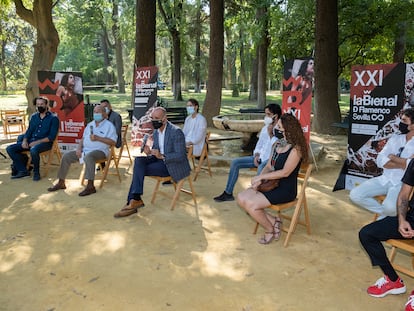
(278, 133)
(403, 128)
(41, 109)
(156, 124)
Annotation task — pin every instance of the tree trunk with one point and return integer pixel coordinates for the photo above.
(262, 14)
(212, 103)
(253, 77)
(105, 52)
(197, 65)
(47, 42)
(177, 66)
(118, 49)
(3, 64)
(243, 73)
(400, 42)
(145, 33)
(326, 66)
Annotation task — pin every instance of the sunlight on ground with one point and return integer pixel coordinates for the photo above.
(107, 242)
(54, 258)
(13, 256)
(42, 204)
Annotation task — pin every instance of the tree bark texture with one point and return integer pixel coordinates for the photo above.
(326, 110)
(118, 48)
(47, 42)
(145, 33)
(212, 103)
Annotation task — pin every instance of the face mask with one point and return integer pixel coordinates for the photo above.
(156, 124)
(107, 110)
(190, 109)
(98, 117)
(403, 128)
(278, 134)
(41, 109)
(268, 120)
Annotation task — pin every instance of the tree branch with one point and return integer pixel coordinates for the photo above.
(24, 13)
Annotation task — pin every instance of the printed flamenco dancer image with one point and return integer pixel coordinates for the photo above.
(69, 92)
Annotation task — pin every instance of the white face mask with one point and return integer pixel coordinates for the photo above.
(268, 120)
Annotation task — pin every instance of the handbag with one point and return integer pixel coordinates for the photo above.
(268, 184)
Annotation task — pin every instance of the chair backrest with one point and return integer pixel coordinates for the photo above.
(303, 177)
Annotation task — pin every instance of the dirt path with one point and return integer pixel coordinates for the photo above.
(62, 252)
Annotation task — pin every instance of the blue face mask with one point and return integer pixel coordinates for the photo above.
(190, 109)
(98, 117)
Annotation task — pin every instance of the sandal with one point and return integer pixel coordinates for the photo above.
(263, 239)
(277, 227)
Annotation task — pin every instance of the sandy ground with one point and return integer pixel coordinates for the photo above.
(59, 251)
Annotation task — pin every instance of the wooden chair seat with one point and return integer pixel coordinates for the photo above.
(178, 188)
(200, 159)
(406, 245)
(109, 161)
(47, 157)
(14, 121)
(124, 146)
(297, 205)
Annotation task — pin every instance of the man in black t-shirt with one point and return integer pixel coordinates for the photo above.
(397, 227)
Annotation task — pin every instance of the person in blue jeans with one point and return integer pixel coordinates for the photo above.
(39, 137)
(260, 155)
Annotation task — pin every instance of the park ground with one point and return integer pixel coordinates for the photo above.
(59, 251)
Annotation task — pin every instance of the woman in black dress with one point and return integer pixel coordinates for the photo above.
(287, 155)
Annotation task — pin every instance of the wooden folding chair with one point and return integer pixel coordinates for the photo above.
(297, 205)
(47, 157)
(203, 156)
(108, 162)
(178, 188)
(14, 121)
(124, 131)
(406, 245)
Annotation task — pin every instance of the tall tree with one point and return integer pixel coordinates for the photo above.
(263, 19)
(212, 102)
(326, 66)
(47, 41)
(145, 33)
(172, 15)
(118, 47)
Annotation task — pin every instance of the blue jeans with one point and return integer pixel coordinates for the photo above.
(20, 160)
(236, 165)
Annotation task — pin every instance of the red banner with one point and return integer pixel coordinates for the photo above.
(65, 93)
(297, 91)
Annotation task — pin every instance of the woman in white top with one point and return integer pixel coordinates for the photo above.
(195, 127)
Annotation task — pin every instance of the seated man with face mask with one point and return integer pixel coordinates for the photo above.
(39, 137)
(98, 136)
(260, 155)
(394, 159)
(167, 157)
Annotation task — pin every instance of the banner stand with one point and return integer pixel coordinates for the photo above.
(313, 156)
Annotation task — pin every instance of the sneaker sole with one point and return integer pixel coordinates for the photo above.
(395, 291)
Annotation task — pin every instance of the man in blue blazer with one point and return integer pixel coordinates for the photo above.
(167, 157)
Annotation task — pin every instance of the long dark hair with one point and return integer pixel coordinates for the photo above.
(294, 134)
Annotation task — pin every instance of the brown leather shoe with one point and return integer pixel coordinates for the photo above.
(56, 187)
(87, 191)
(130, 208)
(136, 203)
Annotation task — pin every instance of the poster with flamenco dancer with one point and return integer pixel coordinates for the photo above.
(297, 91)
(65, 93)
(379, 94)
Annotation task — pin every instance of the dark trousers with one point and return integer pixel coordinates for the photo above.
(20, 160)
(145, 166)
(376, 232)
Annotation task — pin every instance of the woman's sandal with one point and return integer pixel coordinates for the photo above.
(277, 228)
(263, 239)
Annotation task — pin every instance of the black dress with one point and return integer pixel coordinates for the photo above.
(288, 186)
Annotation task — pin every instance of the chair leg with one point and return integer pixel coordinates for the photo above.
(178, 188)
(293, 223)
(154, 193)
(307, 218)
(255, 228)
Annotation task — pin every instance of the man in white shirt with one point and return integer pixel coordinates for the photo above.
(393, 158)
(260, 154)
(195, 127)
(98, 136)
